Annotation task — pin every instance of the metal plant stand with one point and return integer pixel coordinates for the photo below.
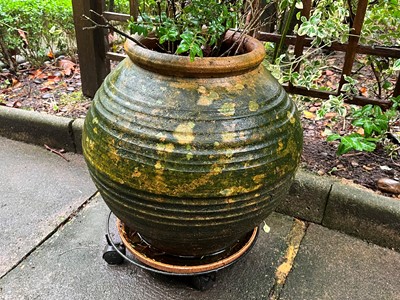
(115, 254)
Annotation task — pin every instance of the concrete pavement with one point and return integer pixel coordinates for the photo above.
(52, 236)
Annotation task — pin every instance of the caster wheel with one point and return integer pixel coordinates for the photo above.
(203, 282)
(111, 255)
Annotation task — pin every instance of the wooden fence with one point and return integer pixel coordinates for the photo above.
(94, 54)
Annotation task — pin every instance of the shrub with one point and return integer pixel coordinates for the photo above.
(33, 28)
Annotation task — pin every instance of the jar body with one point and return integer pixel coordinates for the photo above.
(191, 163)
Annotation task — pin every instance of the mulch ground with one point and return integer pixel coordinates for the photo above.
(56, 89)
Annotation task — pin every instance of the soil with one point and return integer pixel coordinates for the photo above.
(56, 89)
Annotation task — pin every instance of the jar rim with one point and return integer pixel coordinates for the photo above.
(175, 65)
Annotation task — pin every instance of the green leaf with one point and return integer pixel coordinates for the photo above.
(333, 137)
(357, 142)
(386, 85)
(183, 47)
(396, 65)
(299, 5)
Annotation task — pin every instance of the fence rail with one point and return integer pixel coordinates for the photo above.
(94, 54)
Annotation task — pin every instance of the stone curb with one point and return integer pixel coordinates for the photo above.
(37, 128)
(322, 200)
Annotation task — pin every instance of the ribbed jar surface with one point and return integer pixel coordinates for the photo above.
(191, 161)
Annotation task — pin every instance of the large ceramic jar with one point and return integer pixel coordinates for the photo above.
(192, 155)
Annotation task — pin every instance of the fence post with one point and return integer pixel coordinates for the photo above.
(353, 41)
(92, 46)
(134, 8)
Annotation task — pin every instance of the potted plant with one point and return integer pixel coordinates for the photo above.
(190, 140)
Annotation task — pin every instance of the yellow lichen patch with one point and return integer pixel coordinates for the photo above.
(280, 146)
(95, 121)
(165, 148)
(227, 109)
(202, 90)
(236, 190)
(259, 178)
(184, 133)
(228, 137)
(184, 84)
(89, 143)
(158, 165)
(207, 99)
(253, 105)
(290, 149)
(291, 117)
(215, 170)
(189, 155)
(136, 173)
(188, 188)
(114, 155)
(229, 200)
(229, 153)
(239, 86)
(95, 130)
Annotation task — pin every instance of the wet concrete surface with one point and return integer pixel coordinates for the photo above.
(38, 191)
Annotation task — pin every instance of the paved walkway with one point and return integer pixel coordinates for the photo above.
(52, 235)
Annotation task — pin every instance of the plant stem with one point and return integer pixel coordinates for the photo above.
(376, 74)
(285, 31)
(6, 54)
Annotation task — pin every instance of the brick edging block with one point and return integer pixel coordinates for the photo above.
(307, 197)
(36, 128)
(364, 214)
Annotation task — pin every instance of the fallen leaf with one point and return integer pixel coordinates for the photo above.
(45, 89)
(360, 131)
(39, 74)
(329, 83)
(53, 79)
(308, 115)
(67, 66)
(22, 34)
(364, 91)
(330, 115)
(326, 132)
(50, 54)
(329, 73)
(17, 104)
(266, 228)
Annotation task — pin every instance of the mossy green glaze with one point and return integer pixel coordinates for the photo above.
(192, 159)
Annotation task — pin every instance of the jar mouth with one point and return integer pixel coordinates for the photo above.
(182, 66)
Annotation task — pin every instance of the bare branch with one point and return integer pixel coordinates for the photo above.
(108, 25)
(59, 153)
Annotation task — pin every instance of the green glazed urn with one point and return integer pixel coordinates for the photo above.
(192, 154)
